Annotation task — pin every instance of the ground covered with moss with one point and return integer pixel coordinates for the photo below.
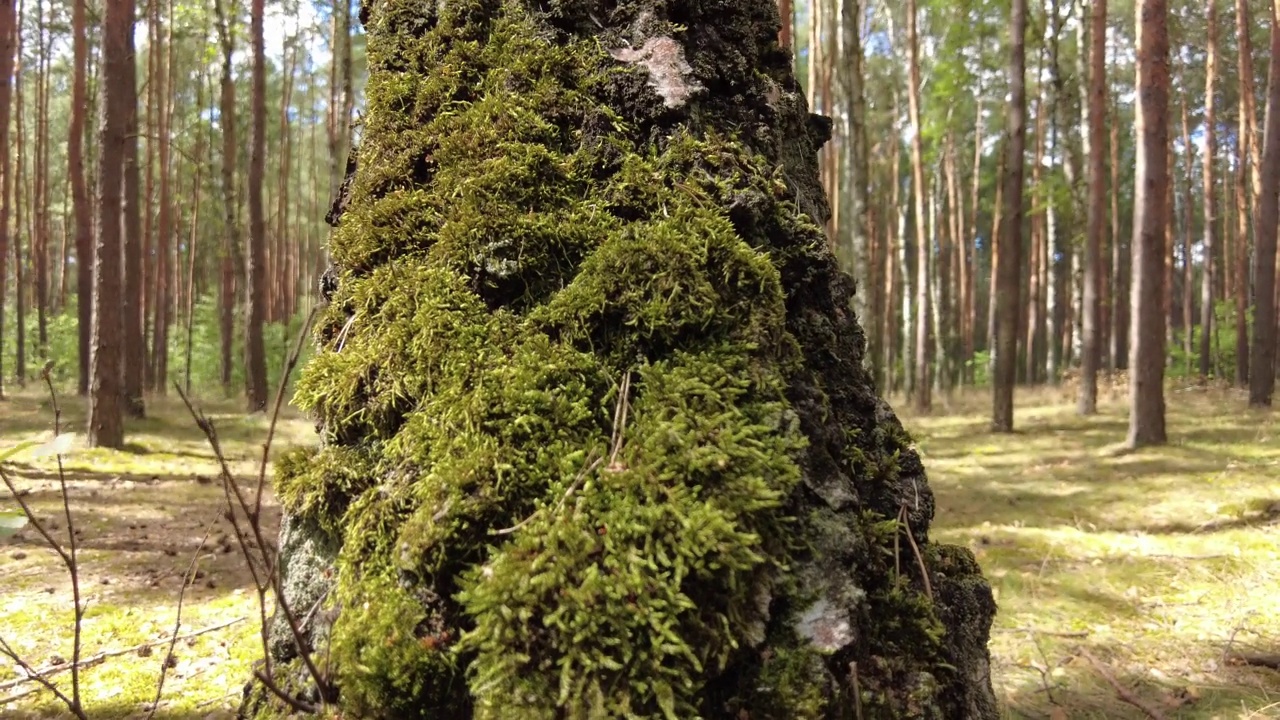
(596, 439)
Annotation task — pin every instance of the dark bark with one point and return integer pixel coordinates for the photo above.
(106, 417)
(7, 39)
(1009, 244)
(133, 314)
(255, 353)
(1207, 318)
(507, 327)
(1262, 373)
(1091, 345)
(1150, 224)
(82, 210)
(229, 255)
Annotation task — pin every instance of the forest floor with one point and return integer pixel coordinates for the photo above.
(1143, 574)
(1150, 570)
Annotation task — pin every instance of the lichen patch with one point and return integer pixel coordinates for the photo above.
(669, 73)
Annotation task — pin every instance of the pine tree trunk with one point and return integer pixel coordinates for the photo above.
(7, 39)
(165, 226)
(133, 315)
(1241, 266)
(1009, 245)
(23, 199)
(79, 191)
(106, 416)
(229, 256)
(703, 305)
(1150, 248)
(1207, 319)
(1262, 378)
(255, 355)
(1188, 221)
(924, 400)
(1091, 340)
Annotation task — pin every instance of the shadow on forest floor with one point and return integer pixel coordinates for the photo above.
(140, 514)
(1154, 563)
(1157, 564)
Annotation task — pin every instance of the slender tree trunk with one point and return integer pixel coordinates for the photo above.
(24, 199)
(44, 229)
(855, 158)
(8, 34)
(1244, 24)
(197, 192)
(1091, 341)
(970, 242)
(1040, 310)
(924, 400)
(79, 190)
(255, 350)
(135, 284)
(106, 426)
(1147, 348)
(1210, 205)
(1119, 355)
(1009, 245)
(341, 97)
(164, 216)
(994, 257)
(229, 255)
(1245, 154)
(1188, 220)
(1262, 363)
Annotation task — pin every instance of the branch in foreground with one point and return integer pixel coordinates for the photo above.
(270, 577)
(187, 579)
(50, 670)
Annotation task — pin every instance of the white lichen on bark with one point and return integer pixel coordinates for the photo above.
(669, 72)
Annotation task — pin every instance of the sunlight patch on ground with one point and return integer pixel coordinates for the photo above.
(1155, 563)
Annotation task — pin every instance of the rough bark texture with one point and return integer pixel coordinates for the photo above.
(1005, 275)
(79, 189)
(106, 426)
(255, 351)
(1262, 355)
(1091, 347)
(1150, 228)
(597, 436)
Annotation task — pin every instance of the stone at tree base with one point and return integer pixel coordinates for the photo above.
(596, 437)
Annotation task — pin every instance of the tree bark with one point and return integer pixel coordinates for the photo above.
(1151, 127)
(229, 255)
(1262, 376)
(703, 321)
(924, 246)
(79, 191)
(1207, 319)
(255, 357)
(1091, 345)
(1009, 246)
(165, 230)
(1244, 141)
(106, 426)
(133, 315)
(8, 35)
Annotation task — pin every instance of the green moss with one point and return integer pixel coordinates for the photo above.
(519, 538)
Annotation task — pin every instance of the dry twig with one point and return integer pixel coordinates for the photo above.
(269, 578)
(187, 579)
(1121, 691)
(92, 660)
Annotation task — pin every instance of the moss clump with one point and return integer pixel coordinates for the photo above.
(597, 442)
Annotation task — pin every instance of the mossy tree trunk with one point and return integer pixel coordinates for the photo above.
(597, 440)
